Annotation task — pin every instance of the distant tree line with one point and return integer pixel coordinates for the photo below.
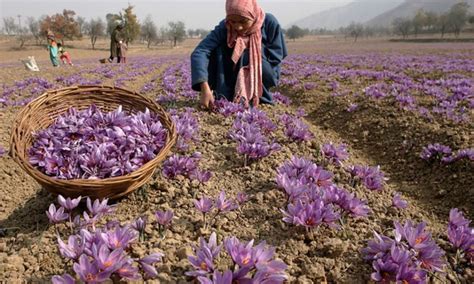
(424, 22)
(68, 26)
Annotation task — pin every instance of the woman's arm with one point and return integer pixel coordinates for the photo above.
(201, 54)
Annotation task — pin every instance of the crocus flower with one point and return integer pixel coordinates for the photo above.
(99, 207)
(140, 224)
(68, 203)
(63, 279)
(89, 272)
(205, 253)
(398, 202)
(146, 264)
(108, 260)
(204, 204)
(217, 278)
(73, 249)
(225, 205)
(164, 218)
(56, 216)
(128, 271)
(242, 197)
(119, 237)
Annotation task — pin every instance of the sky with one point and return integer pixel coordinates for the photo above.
(194, 13)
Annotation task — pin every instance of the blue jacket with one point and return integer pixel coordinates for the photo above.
(212, 55)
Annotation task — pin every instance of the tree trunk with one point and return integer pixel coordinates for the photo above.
(175, 39)
(93, 40)
(149, 41)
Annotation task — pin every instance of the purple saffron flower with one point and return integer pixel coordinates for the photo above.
(140, 224)
(352, 107)
(108, 260)
(205, 253)
(378, 247)
(119, 237)
(225, 205)
(68, 203)
(128, 271)
(217, 278)
(56, 216)
(335, 153)
(311, 215)
(201, 176)
(242, 197)
(89, 272)
(407, 274)
(204, 204)
(99, 208)
(63, 279)
(241, 253)
(398, 202)
(435, 151)
(271, 272)
(385, 272)
(164, 218)
(147, 262)
(2, 151)
(456, 218)
(73, 249)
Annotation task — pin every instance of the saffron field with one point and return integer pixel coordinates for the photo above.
(361, 171)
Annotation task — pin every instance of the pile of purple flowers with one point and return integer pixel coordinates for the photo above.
(335, 153)
(99, 253)
(205, 205)
(249, 130)
(250, 264)
(405, 259)
(461, 235)
(313, 199)
(443, 153)
(177, 165)
(91, 144)
(2, 151)
(294, 128)
(371, 177)
(187, 128)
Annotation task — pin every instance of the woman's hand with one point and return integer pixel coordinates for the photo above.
(207, 98)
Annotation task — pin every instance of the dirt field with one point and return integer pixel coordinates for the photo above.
(378, 133)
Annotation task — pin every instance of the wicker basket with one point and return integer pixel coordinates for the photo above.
(40, 113)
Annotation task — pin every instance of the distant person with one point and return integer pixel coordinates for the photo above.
(53, 50)
(116, 39)
(240, 59)
(65, 56)
(123, 53)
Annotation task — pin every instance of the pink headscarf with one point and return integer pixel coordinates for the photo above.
(249, 86)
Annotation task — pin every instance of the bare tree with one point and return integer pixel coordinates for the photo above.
(34, 29)
(355, 30)
(419, 22)
(22, 36)
(402, 26)
(95, 28)
(9, 25)
(177, 32)
(81, 24)
(149, 31)
(458, 16)
(443, 24)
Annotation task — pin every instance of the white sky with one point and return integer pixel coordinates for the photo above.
(194, 13)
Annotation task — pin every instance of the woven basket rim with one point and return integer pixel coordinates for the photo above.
(24, 163)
